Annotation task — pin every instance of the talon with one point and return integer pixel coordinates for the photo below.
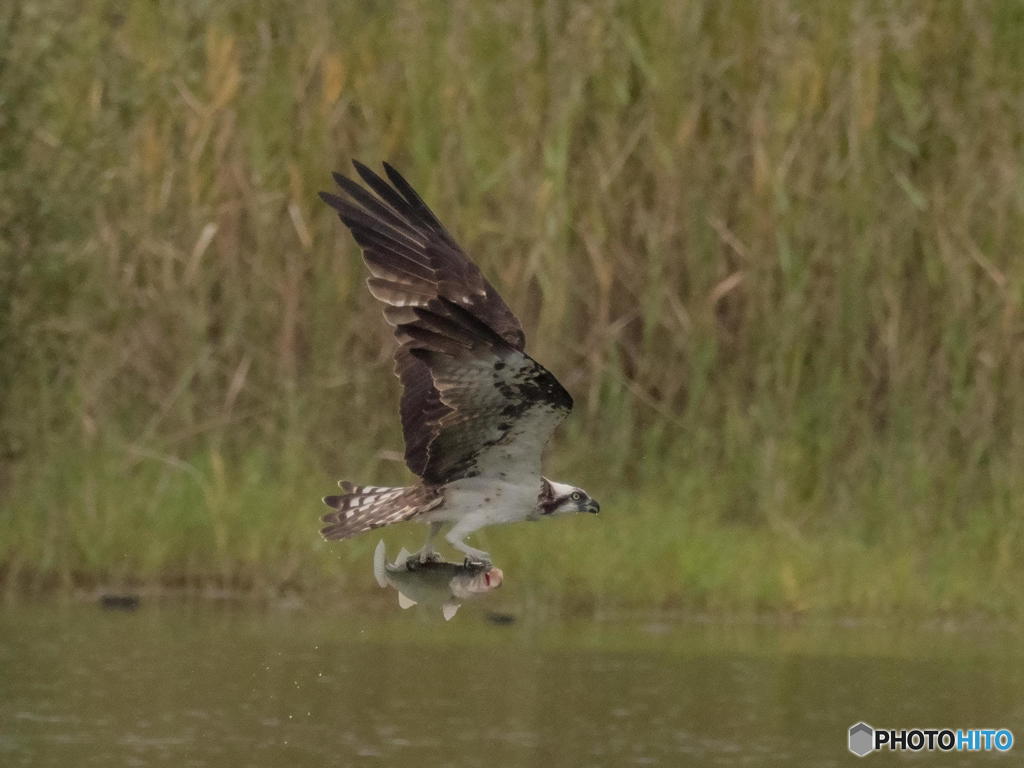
(477, 555)
(425, 556)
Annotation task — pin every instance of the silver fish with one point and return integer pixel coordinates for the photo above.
(434, 582)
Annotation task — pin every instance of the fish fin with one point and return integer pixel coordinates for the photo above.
(404, 601)
(402, 557)
(380, 562)
(450, 608)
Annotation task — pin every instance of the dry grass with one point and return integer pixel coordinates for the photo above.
(774, 249)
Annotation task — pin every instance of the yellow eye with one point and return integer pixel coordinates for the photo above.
(575, 495)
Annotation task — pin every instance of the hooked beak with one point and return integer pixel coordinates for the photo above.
(593, 507)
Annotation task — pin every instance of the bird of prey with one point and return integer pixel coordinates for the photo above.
(476, 410)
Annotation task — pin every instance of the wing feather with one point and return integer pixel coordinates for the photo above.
(395, 266)
(368, 201)
(398, 294)
(472, 399)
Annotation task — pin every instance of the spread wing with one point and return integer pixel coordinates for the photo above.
(473, 401)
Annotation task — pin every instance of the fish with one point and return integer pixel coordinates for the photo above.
(434, 582)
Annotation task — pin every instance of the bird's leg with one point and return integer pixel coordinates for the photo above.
(427, 553)
(455, 537)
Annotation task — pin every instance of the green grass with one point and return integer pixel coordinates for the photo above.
(774, 249)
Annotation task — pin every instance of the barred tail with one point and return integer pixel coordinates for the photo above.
(362, 508)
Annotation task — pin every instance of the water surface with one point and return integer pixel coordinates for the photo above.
(200, 683)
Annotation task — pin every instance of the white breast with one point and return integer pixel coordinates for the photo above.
(488, 499)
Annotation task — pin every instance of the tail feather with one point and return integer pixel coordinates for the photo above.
(362, 508)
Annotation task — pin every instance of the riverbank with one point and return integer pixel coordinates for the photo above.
(656, 545)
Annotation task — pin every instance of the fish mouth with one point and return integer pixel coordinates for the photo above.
(480, 584)
(493, 578)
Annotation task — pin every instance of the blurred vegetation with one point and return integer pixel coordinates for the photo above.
(774, 249)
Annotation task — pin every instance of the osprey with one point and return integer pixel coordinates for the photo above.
(476, 410)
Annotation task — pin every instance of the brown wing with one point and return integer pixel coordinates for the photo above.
(450, 322)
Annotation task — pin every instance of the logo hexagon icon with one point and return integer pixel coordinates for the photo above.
(862, 739)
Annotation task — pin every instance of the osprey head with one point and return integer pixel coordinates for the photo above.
(559, 499)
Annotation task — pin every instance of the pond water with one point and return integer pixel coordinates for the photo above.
(204, 683)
